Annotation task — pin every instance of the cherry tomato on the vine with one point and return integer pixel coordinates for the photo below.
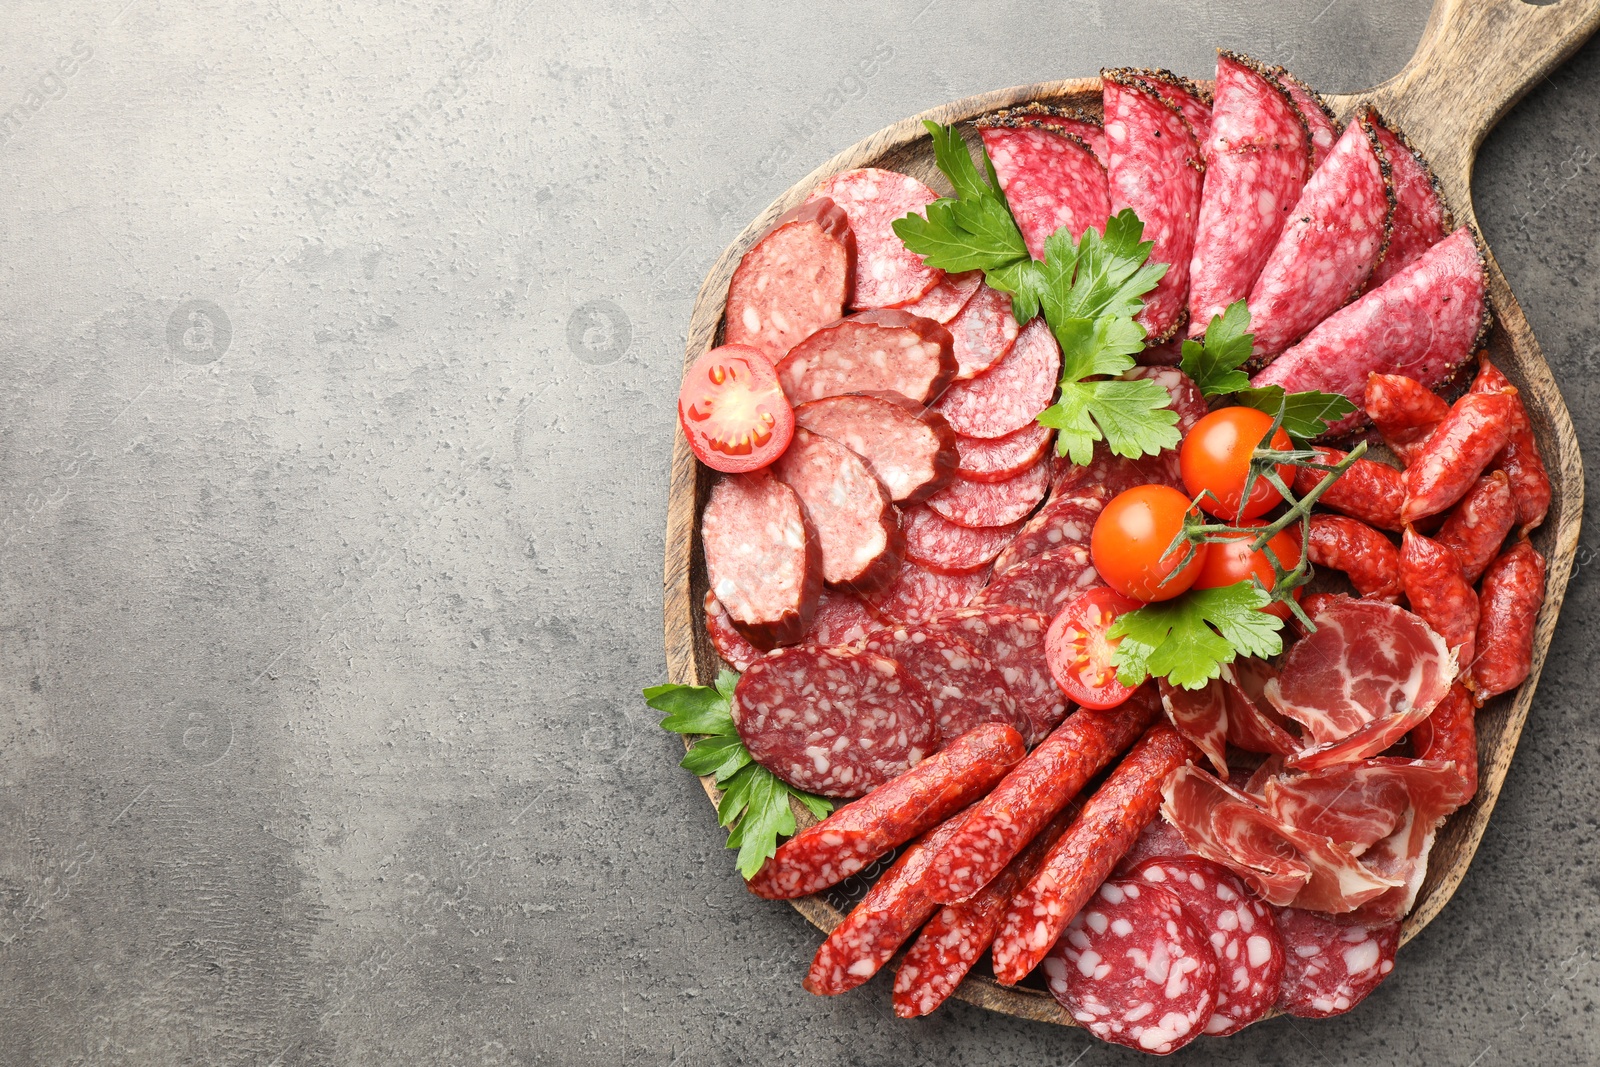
(1215, 458)
(733, 411)
(1229, 562)
(1079, 653)
(1130, 540)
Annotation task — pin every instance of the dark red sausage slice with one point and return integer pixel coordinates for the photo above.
(887, 273)
(1330, 967)
(856, 524)
(842, 619)
(871, 351)
(918, 594)
(934, 542)
(1002, 457)
(763, 557)
(912, 450)
(983, 333)
(964, 689)
(1065, 521)
(797, 279)
(1013, 640)
(1045, 583)
(982, 504)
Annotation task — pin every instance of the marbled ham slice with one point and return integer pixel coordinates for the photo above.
(1201, 715)
(1051, 180)
(887, 273)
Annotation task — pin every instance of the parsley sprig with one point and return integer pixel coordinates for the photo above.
(751, 794)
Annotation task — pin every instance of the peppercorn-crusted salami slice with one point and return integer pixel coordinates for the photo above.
(872, 351)
(964, 689)
(856, 524)
(887, 273)
(1051, 180)
(1256, 155)
(1320, 123)
(934, 542)
(993, 503)
(1134, 968)
(1333, 238)
(1424, 323)
(1331, 966)
(1071, 121)
(763, 557)
(983, 333)
(726, 638)
(1013, 640)
(979, 460)
(1420, 218)
(1008, 396)
(1046, 583)
(833, 721)
(1240, 929)
(797, 279)
(945, 300)
(918, 594)
(1154, 169)
(842, 619)
(912, 450)
(1193, 102)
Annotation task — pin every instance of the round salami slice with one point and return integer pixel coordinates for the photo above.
(993, 503)
(730, 644)
(1241, 931)
(1187, 399)
(832, 721)
(841, 619)
(1135, 969)
(911, 449)
(873, 351)
(1330, 967)
(1159, 840)
(1051, 180)
(918, 594)
(887, 273)
(1013, 640)
(1420, 218)
(856, 524)
(964, 689)
(762, 556)
(1116, 473)
(945, 300)
(934, 542)
(1066, 521)
(1003, 457)
(1046, 583)
(797, 279)
(1008, 396)
(983, 333)
(1320, 123)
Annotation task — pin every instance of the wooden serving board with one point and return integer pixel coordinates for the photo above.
(1476, 59)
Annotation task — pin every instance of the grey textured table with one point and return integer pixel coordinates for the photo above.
(340, 345)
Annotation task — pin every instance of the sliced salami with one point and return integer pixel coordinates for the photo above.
(1051, 180)
(1046, 583)
(763, 558)
(1013, 640)
(1193, 102)
(1159, 840)
(945, 300)
(1117, 473)
(797, 279)
(964, 689)
(918, 594)
(993, 503)
(1256, 156)
(1424, 323)
(1335, 235)
(911, 449)
(1072, 121)
(1320, 123)
(1240, 929)
(1154, 169)
(887, 273)
(1187, 399)
(872, 351)
(1008, 396)
(730, 644)
(983, 333)
(934, 542)
(1065, 522)
(832, 721)
(1420, 218)
(1005, 457)
(1331, 966)
(1134, 968)
(856, 524)
(841, 619)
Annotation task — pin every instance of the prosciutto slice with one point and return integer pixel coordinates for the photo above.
(1222, 713)
(1360, 804)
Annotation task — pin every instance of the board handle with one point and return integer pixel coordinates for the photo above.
(1476, 59)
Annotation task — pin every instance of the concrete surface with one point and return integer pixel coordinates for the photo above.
(340, 343)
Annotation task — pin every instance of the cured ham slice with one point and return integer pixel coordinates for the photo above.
(1359, 804)
(1223, 713)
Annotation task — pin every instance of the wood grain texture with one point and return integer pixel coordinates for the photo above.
(1476, 59)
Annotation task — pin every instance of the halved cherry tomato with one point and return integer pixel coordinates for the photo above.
(1130, 539)
(1215, 458)
(1230, 562)
(733, 411)
(1079, 653)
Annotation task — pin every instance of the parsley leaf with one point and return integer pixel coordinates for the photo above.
(1214, 363)
(752, 796)
(1188, 639)
(1305, 415)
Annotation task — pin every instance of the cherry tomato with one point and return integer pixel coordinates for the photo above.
(1130, 539)
(733, 411)
(1230, 562)
(1079, 653)
(1216, 457)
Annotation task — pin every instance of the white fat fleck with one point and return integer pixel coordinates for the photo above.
(751, 320)
(1087, 962)
(1112, 893)
(1096, 921)
(1260, 949)
(1122, 927)
(1361, 958)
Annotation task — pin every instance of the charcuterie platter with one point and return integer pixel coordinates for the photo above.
(962, 500)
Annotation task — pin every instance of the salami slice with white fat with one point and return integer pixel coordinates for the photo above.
(918, 594)
(1051, 180)
(993, 503)
(1160, 840)
(730, 644)
(832, 721)
(1154, 169)
(857, 528)
(1046, 583)
(1241, 931)
(1423, 323)
(1420, 218)
(1320, 123)
(1335, 235)
(1331, 966)
(1008, 396)
(1071, 121)
(1193, 102)
(979, 460)
(1134, 968)
(1013, 640)
(983, 332)
(934, 542)
(887, 273)
(964, 689)
(1065, 522)
(911, 449)
(842, 619)
(1256, 161)
(763, 557)
(945, 300)
(872, 351)
(796, 279)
